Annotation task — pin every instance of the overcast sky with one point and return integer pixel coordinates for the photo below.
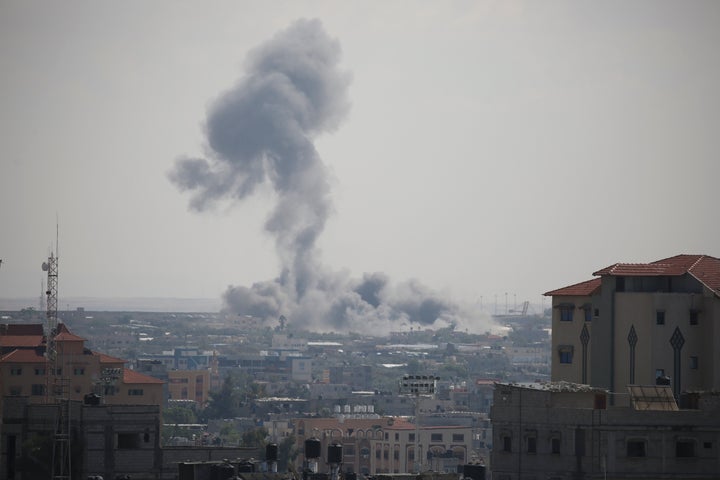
(489, 148)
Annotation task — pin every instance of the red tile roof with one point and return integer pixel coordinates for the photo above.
(131, 376)
(64, 334)
(581, 289)
(23, 356)
(21, 341)
(704, 268)
(108, 359)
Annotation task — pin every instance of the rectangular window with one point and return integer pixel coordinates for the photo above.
(37, 389)
(128, 441)
(532, 445)
(566, 313)
(507, 443)
(660, 317)
(694, 314)
(636, 448)
(397, 436)
(78, 371)
(411, 437)
(565, 353)
(555, 446)
(137, 392)
(694, 362)
(458, 437)
(685, 448)
(588, 313)
(436, 437)
(39, 371)
(16, 371)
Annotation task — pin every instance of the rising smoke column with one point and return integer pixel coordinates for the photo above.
(262, 130)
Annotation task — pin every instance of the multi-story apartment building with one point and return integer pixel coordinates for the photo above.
(563, 431)
(36, 393)
(635, 370)
(636, 323)
(25, 371)
(189, 385)
(388, 445)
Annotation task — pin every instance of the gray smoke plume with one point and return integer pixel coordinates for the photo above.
(262, 130)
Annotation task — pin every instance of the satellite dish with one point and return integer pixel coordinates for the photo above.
(45, 267)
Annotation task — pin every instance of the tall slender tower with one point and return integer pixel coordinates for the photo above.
(54, 385)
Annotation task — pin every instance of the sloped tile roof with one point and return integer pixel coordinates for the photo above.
(581, 289)
(23, 356)
(704, 268)
(131, 376)
(108, 359)
(65, 335)
(21, 341)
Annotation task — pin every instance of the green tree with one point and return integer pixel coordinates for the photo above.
(257, 437)
(287, 453)
(225, 403)
(179, 414)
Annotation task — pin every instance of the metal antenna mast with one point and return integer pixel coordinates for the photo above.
(55, 387)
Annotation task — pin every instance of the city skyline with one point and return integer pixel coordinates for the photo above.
(488, 148)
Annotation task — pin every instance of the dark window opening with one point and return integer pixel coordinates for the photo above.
(685, 448)
(555, 446)
(532, 445)
(694, 362)
(507, 443)
(694, 314)
(566, 313)
(37, 389)
(707, 444)
(636, 448)
(659, 317)
(128, 441)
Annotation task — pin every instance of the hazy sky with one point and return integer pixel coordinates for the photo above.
(488, 147)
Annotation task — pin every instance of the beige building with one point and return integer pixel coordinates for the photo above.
(387, 445)
(637, 323)
(189, 385)
(25, 371)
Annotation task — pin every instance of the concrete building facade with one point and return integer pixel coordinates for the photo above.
(640, 322)
(563, 431)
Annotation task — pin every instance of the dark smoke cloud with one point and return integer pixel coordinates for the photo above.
(262, 131)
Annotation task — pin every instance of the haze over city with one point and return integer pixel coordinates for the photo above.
(441, 154)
